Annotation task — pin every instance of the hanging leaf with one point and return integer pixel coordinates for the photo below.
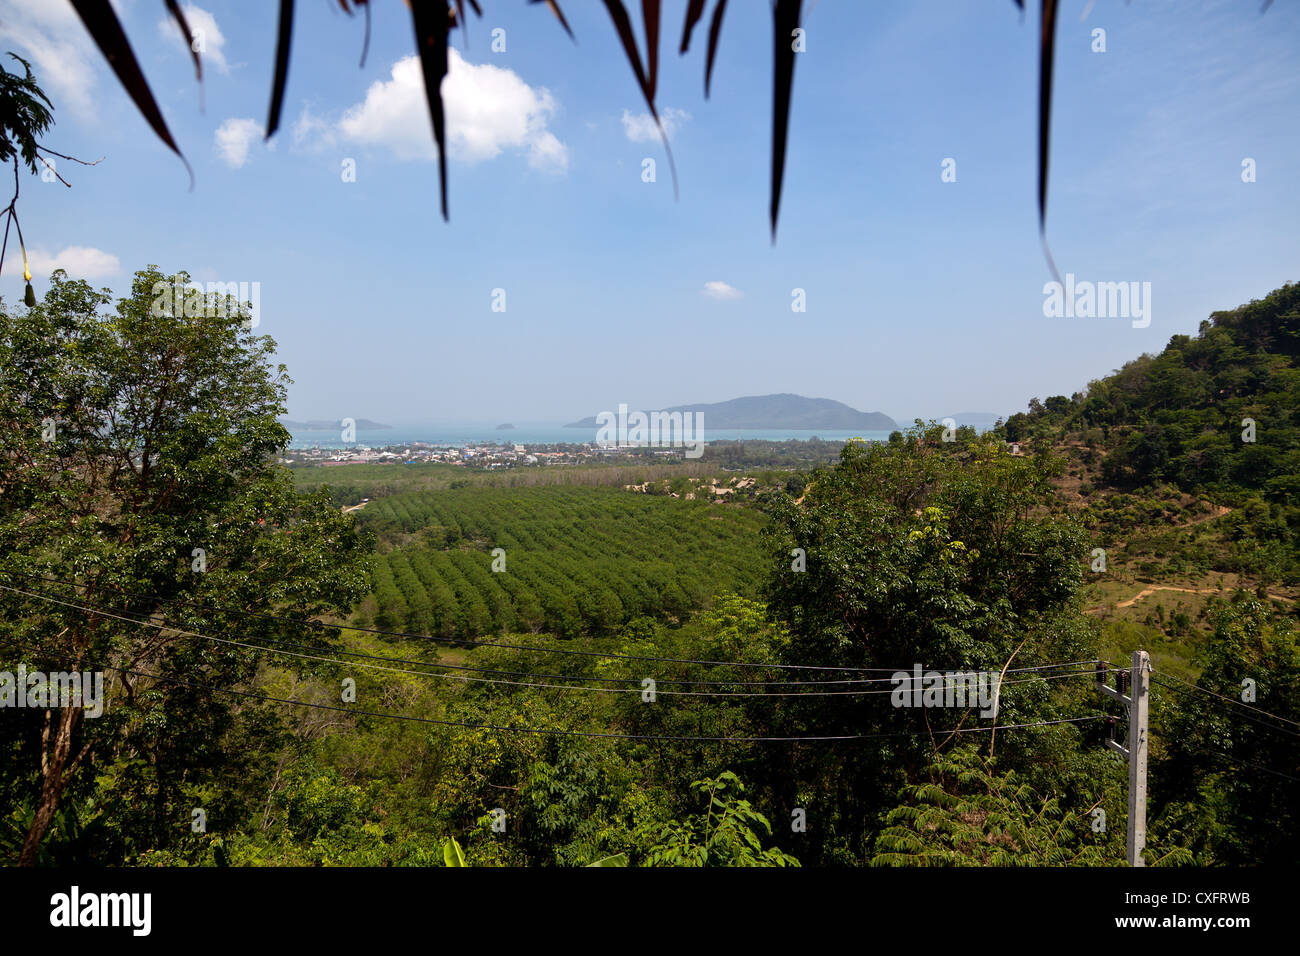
(460, 21)
(281, 66)
(365, 40)
(693, 14)
(623, 26)
(105, 29)
(431, 32)
(1047, 42)
(650, 20)
(785, 17)
(559, 15)
(430, 19)
(460, 17)
(619, 859)
(179, 17)
(715, 32)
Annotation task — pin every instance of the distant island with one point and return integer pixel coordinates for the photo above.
(321, 425)
(505, 427)
(776, 411)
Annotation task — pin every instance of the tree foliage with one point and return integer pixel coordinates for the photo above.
(966, 815)
(1228, 771)
(139, 495)
(728, 833)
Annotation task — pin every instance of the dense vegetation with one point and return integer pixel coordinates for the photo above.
(137, 455)
(627, 689)
(1216, 415)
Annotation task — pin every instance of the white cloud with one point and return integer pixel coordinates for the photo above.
(80, 262)
(641, 128)
(53, 38)
(234, 137)
(547, 152)
(312, 131)
(489, 109)
(203, 26)
(721, 291)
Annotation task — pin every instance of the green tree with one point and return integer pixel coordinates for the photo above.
(138, 480)
(923, 551)
(1227, 768)
(966, 815)
(728, 833)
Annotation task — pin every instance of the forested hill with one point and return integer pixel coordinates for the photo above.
(1216, 414)
(778, 411)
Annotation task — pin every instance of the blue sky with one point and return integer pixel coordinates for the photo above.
(924, 298)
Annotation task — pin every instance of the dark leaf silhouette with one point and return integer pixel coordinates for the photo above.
(365, 41)
(175, 9)
(715, 31)
(105, 29)
(459, 20)
(785, 18)
(1047, 43)
(435, 19)
(559, 15)
(650, 20)
(460, 17)
(693, 14)
(283, 37)
(431, 27)
(623, 26)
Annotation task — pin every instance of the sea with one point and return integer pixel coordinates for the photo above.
(460, 435)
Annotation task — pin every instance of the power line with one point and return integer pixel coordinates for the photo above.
(1251, 708)
(394, 670)
(881, 680)
(566, 733)
(1229, 712)
(1239, 762)
(464, 642)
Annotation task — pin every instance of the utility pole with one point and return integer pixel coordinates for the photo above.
(1138, 703)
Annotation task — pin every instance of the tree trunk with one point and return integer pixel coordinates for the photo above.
(56, 769)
